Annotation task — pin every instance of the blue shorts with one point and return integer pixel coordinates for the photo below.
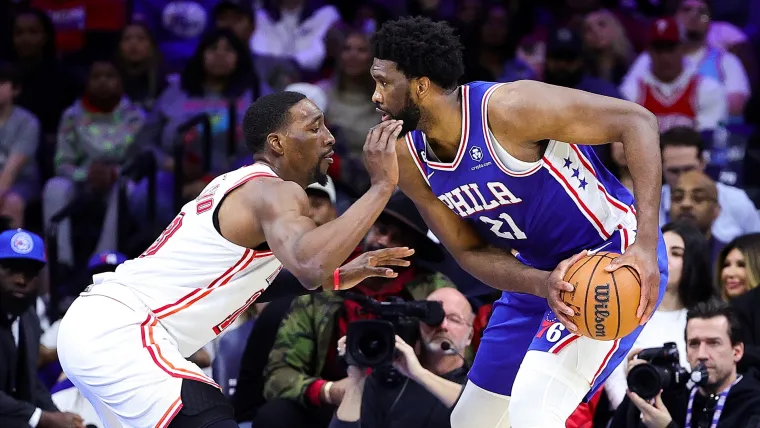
(522, 322)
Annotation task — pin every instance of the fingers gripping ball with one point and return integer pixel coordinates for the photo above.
(605, 303)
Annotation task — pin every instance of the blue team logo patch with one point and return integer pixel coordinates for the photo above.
(476, 154)
(21, 243)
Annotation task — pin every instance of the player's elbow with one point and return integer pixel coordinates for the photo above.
(311, 274)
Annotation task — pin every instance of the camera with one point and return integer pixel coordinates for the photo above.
(662, 371)
(372, 343)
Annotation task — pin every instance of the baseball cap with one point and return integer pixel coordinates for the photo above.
(313, 92)
(22, 244)
(106, 259)
(665, 30)
(328, 189)
(564, 43)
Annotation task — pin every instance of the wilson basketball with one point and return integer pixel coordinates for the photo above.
(604, 302)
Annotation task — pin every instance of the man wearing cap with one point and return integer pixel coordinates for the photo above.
(674, 93)
(24, 402)
(323, 201)
(305, 379)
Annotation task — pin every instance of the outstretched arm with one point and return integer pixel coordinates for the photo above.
(467, 247)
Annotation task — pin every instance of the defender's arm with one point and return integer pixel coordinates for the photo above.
(469, 249)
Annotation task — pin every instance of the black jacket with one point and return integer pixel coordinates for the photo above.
(747, 309)
(15, 412)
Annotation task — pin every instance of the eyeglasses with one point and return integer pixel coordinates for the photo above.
(456, 319)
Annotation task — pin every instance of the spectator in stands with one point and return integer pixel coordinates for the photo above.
(682, 151)
(322, 199)
(727, 399)
(671, 90)
(619, 165)
(609, 53)
(434, 376)
(305, 378)
(489, 57)
(94, 140)
(140, 63)
(219, 76)
(274, 73)
(746, 306)
(738, 269)
(694, 199)
(688, 285)
(294, 29)
(19, 139)
(23, 399)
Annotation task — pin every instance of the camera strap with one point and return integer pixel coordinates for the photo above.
(718, 407)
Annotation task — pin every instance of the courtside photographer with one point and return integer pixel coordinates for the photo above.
(426, 376)
(662, 394)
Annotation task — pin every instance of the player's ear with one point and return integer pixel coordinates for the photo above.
(275, 141)
(421, 86)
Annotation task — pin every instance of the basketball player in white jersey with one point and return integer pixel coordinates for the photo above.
(125, 340)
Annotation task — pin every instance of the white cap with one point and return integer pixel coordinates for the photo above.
(329, 189)
(313, 92)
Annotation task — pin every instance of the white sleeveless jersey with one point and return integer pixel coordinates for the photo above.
(192, 279)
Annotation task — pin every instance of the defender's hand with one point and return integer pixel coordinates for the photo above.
(380, 152)
(644, 262)
(556, 285)
(373, 263)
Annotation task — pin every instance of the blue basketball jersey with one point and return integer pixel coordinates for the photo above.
(547, 210)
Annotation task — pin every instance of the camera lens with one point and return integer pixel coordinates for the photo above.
(647, 380)
(372, 345)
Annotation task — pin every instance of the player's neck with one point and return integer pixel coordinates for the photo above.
(281, 170)
(443, 126)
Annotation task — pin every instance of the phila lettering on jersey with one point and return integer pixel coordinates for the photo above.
(546, 210)
(192, 279)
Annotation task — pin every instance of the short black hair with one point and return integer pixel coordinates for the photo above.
(421, 47)
(717, 308)
(682, 136)
(266, 115)
(9, 73)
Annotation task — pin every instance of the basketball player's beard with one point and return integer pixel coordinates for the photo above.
(410, 114)
(317, 176)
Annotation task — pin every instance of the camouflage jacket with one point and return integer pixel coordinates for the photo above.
(306, 335)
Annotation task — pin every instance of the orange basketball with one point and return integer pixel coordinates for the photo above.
(605, 303)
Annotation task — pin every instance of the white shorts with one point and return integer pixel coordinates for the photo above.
(123, 362)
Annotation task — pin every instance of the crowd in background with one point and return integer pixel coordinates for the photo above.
(114, 113)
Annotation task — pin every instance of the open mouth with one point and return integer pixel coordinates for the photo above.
(386, 115)
(329, 157)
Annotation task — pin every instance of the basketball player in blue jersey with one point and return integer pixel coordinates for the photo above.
(495, 168)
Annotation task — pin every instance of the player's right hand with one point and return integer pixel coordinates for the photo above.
(373, 263)
(556, 285)
(380, 152)
(60, 420)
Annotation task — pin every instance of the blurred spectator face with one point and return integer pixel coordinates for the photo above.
(469, 11)
(387, 234)
(493, 34)
(220, 59)
(322, 210)
(356, 59)
(28, 36)
(694, 199)
(708, 342)
(237, 22)
(18, 285)
(675, 247)
(733, 277)
(598, 32)
(104, 83)
(677, 160)
(6, 93)
(563, 72)
(617, 152)
(135, 45)
(456, 327)
(694, 16)
(667, 60)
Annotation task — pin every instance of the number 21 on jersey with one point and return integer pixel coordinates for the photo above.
(504, 227)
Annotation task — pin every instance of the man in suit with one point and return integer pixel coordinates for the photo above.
(24, 402)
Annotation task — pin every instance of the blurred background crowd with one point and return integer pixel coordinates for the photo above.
(114, 113)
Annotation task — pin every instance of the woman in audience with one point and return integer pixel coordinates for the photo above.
(219, 78)
(608, 50)
(688, 284)
(139, 61)
(738, 268)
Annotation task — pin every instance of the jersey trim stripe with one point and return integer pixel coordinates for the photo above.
(146, 332)
(585, 162)
(171, 412)
(606, 360)
(417, 161)
(248, 178)
(463, 139)
(489, 143)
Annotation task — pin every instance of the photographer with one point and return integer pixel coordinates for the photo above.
(715, 396)
(434, 372)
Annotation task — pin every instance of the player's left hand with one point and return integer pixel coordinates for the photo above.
(644, 262)
(653, 416)
(407, 362)
(373, 263)
(557, 285)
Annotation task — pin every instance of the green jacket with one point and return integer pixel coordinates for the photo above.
(305, 336)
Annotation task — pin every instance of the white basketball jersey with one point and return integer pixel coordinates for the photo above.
(192, 279)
